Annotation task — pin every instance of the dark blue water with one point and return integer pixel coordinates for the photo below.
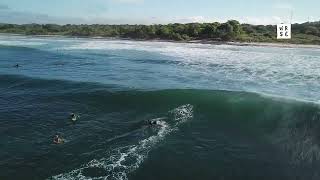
(223, 112)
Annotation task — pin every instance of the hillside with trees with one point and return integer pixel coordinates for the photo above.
(306, 33)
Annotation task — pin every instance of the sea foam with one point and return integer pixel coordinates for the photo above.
(125, 159)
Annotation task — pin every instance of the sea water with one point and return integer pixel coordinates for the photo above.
(225, 111)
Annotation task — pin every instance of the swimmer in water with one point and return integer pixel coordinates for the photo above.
(153, 122)
(57, 139)
(156, 121)
(74, 117)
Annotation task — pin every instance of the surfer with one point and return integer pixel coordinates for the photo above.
(74, 117)
(57, 139)
(17, 65)
(153, 122)
(157, 121)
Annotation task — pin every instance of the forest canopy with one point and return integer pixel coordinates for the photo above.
(232, 30)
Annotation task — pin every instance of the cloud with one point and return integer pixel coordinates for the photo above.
(201, 19)
(191, 19)
(26, 18)
(4, 7)
(17, 17)
(283, 6)
(268, 20)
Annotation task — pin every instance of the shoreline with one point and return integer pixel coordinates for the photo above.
(203, 41)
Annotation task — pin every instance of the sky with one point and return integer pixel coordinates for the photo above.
(157, 11)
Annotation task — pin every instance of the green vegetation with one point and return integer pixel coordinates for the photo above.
(306, 33)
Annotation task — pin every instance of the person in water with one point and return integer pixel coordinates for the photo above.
(153, 122)
(58, 140)
(74, 117)
(17, 65)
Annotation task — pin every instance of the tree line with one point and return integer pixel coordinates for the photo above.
(232, 30)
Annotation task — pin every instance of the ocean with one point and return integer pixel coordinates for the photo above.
(223, 112)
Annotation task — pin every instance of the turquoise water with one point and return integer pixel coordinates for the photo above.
(225, 112)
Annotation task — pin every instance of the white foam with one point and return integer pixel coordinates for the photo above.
(291, 72)
(182, 113)
(279, 71)
(124, 160)
(20, 43)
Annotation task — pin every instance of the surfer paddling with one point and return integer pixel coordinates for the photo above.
(57, 139)
(153, 122)
(74, 117)
(157, 121)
